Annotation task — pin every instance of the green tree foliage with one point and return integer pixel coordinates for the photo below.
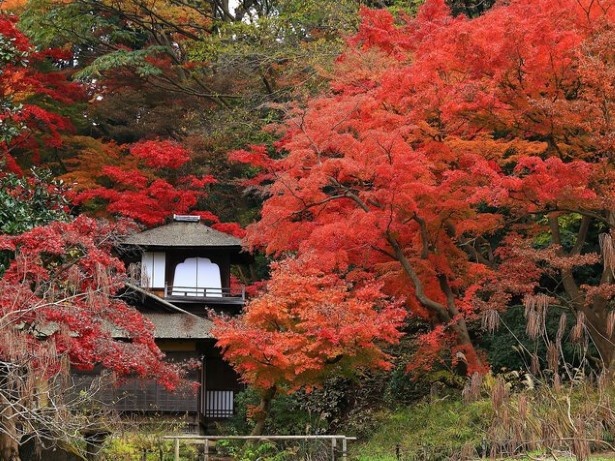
(220, 68)
(30, 201)
(27, 202)
(195, 72)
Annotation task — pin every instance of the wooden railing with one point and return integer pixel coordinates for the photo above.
(174, 291)
(336, 451)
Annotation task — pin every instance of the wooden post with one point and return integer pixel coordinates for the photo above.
(344, 449)
(333, 447)
(206, 454)
(177, 449)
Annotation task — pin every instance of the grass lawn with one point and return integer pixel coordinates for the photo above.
(447, 430)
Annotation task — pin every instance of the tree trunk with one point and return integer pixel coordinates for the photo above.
(9, 448)
(596, 319)
(597, 312)
(262, 412)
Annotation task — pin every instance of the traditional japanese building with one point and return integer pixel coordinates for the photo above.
(180, 271)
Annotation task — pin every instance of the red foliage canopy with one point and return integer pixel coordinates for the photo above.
(57, 301)
(146, 183)
(447, 148)
(160, 154)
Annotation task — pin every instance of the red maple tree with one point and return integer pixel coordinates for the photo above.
(61, 281)
(58, 311)
(458, 162)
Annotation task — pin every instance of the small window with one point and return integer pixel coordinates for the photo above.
(153, 269)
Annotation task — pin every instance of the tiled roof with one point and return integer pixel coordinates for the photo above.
(166, 326)
(176, 326)
(183, 234)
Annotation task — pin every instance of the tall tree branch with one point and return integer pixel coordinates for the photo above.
(439, 309)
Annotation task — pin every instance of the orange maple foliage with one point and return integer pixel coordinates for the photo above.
(309, 325)
(12, 5)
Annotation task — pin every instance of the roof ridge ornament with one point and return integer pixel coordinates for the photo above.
(186, 218)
